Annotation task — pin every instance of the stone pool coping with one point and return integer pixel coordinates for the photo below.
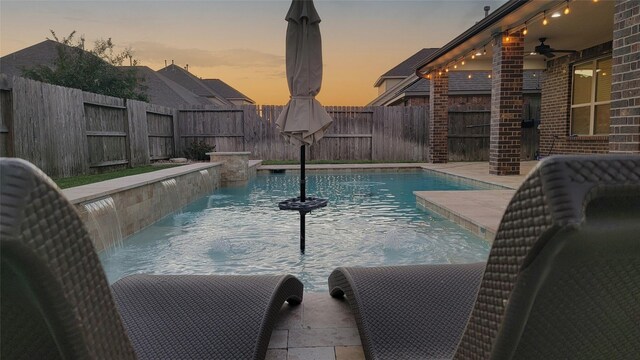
(79, 194)
(479, 211)
(344, 167)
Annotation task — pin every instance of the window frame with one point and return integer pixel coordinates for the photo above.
(592, 101)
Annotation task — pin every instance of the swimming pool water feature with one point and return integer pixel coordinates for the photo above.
(371, 220)
(103, 223)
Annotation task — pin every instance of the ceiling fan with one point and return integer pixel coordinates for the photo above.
(548, 51)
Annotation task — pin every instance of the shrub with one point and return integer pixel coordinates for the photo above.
(198, 150)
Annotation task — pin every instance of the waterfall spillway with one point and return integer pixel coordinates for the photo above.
(169, 190)
(104, 224)
(207, 181)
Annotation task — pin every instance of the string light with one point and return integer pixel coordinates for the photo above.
(555, 11)
(469, 77)
(489, 76)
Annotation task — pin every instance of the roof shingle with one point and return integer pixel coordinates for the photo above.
(226, 90)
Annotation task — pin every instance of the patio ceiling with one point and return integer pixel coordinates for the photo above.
(588, 24)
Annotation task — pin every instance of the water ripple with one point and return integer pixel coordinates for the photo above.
(371, 220)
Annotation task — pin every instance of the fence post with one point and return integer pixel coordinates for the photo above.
(377, 133)
(6, 117)
(177, 145)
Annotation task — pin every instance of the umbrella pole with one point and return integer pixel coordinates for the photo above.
(302, 197)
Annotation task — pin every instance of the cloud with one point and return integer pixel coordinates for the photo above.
(238, 58)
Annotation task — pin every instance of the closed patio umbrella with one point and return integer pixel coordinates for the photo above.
(303, 120)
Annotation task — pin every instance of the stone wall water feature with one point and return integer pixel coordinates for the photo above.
(114, 209)
(235, 166)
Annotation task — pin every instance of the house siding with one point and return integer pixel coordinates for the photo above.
(625, 88)
(556, 107)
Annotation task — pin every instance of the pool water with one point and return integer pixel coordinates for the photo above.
(371, 220)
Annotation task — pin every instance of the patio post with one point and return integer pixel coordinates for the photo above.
(506, 104)
(438, 141)
(625, 92)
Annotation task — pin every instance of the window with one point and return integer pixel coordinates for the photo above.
(591, 97)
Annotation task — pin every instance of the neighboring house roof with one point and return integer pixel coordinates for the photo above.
(43, 53)
(226, 90)
(192, 83)
(406, 67)
(163, 91)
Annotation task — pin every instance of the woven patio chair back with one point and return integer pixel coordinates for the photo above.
(56, 301)
(563, 275)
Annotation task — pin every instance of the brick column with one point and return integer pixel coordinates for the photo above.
(625, 87)
(506, 105)
(439, 116)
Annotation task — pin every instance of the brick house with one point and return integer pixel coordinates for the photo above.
(401, 87)
(469, 99)
(590, 93)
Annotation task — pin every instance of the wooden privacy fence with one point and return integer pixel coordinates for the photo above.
(67, 132)
(469, 131)
(357, 133)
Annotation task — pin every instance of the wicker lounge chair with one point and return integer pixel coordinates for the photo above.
(56, 302)
(562, 280)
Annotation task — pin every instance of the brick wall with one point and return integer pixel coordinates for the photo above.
(625, 87)
(439, 114)
(418, 101)
(506, 105)
(556, 107)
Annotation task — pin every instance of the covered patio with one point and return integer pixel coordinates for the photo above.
(589, 53)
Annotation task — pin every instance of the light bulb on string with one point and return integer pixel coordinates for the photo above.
(566, 9)
(544, 19)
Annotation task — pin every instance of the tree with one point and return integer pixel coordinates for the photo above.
(95, 70)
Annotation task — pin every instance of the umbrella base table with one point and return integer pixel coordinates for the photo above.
(310, 203)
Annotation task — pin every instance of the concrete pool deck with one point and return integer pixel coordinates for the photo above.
(323, 328)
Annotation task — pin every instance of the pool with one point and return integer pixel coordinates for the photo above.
(371, 220)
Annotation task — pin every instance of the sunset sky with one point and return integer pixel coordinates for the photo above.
(242, 42)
